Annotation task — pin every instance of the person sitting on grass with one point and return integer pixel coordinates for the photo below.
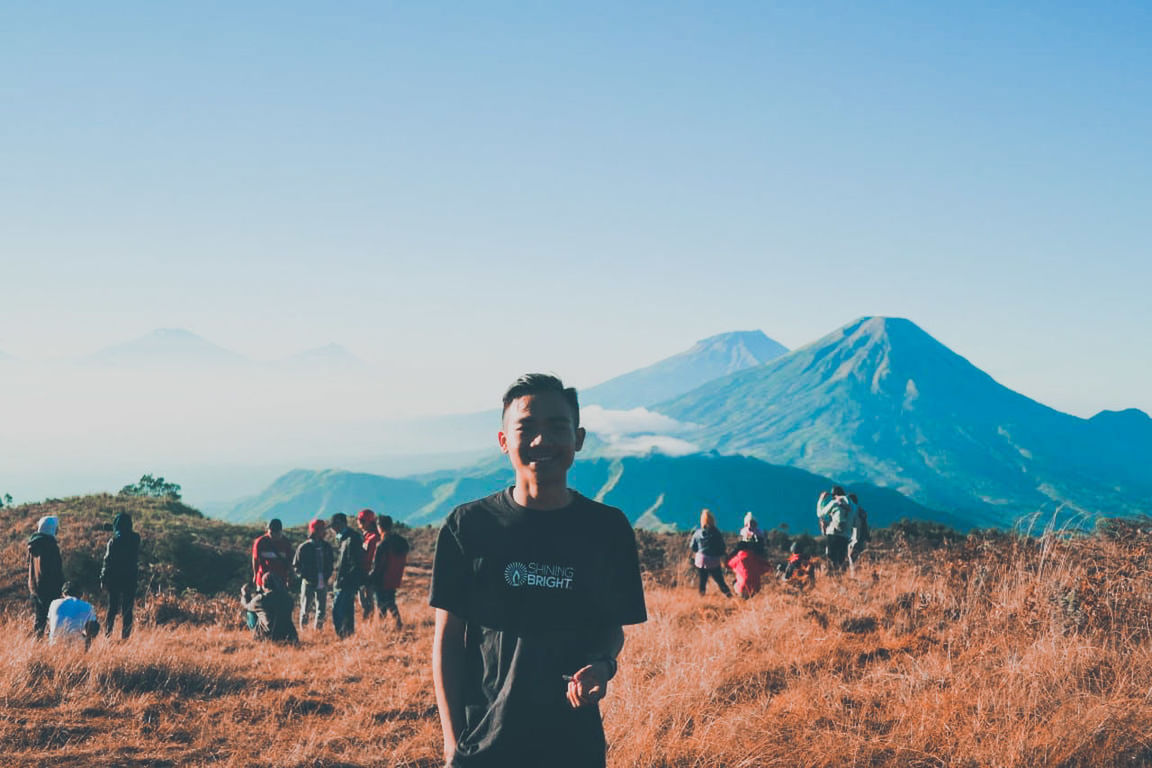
(749, 568)
(71, 618)
(273, 610)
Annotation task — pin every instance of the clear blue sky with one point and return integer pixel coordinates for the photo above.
(475, 189)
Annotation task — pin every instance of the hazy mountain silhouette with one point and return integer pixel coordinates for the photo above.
(880, 400)
(708, 359)
(167, 348)
(654, 491)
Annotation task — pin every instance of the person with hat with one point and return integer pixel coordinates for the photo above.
(45, 570)
(70, 617)
(119, 572)
(271, 553)
(348, 575)
(313, 565)
(366, 519)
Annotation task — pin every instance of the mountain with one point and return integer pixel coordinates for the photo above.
(654, 491)
(881, 401)
(708, 359)
(167, 348)
(301, 495)
(326, 359)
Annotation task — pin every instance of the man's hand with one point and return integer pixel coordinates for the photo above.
(588, 685)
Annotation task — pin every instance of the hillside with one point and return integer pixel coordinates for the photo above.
(708, 359)
(882, 401)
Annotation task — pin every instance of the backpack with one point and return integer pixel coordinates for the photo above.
(863, 533)
(843, 516)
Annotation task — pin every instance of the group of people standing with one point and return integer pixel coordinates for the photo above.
(842, 522)
(58, 605)
(368, 564)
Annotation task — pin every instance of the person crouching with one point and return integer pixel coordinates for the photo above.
(71, 618)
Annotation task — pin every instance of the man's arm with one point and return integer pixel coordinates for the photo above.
(447, 672)
(590, 683)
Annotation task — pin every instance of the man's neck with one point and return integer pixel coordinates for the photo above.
(543, 497)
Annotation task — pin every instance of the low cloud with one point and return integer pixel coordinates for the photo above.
(643, 445)
(638, 432)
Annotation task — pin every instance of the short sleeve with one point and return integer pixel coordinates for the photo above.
(629, 594)
(450, 571)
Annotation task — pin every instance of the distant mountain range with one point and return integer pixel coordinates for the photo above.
(880, 400)
(654, 491)
(708, 359)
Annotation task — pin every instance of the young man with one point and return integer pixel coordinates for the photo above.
(348, 576)
(837, 517)
(531, 587)
(70, 618)
(273, 609)
(119, 572)
(388, 568)
(271, 553)
(313, 564)
(366, 519)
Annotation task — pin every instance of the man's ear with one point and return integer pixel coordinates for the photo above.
(580, 435)
(502, 439)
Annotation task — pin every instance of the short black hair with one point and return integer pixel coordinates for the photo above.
(72, 589)
(534, 384)
(384, 522)
(275, 525)
(340, 517)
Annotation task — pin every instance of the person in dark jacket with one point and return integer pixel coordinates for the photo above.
(388, 568)
(313, 565)
(349, 575)
(708, 553)
(273, 610)
(45, 570)
(119, 573)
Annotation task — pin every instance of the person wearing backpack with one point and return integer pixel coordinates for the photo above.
(388, 568)
(349, 575)
(837, 517)
(707, 548)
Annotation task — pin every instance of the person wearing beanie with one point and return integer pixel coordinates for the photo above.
(119, 573)
(366, 519)
(71, 618)
(271, 553)
(752, 534)
(45, 570)
(313, 565)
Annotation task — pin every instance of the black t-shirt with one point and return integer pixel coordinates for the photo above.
(539, 592)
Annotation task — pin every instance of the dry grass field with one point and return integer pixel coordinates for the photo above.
(990, 651)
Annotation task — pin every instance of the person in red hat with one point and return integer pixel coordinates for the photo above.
(366, 519)
(313, 564)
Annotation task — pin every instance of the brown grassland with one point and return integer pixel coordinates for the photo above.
(989, 650)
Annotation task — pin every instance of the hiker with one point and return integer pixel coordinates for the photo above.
(388, 568)
(707, 548)
(272, 553)
(753, 534)
(837, 517)
(272, 607)
(119, 572)
(861, 534)
(531, 587)
(45, 570)
(800, 568)
(366, 519)
(348, 575)
(749, 568)
(313, 565)
(70, 618)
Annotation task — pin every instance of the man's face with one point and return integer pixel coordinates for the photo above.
(540, 436)
(276, 535)
(337, 526)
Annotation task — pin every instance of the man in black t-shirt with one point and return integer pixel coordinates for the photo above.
(531, 587)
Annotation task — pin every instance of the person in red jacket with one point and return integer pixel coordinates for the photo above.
(388, 568)
(366, 519)
(749, 568)
(271, 553)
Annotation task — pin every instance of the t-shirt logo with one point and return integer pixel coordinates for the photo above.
(514, 574)
(539, 575)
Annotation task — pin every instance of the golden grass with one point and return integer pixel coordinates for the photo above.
(1002, 652)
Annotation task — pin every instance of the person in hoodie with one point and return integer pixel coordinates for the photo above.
(707, 548)
(366, 519)
(273, 609)
(119, 572)
(349, 575)
(837, 517)
(388, 568)
(313, 565)
(45, 570)
(749, 568)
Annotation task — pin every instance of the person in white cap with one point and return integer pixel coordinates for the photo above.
(45, 570)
